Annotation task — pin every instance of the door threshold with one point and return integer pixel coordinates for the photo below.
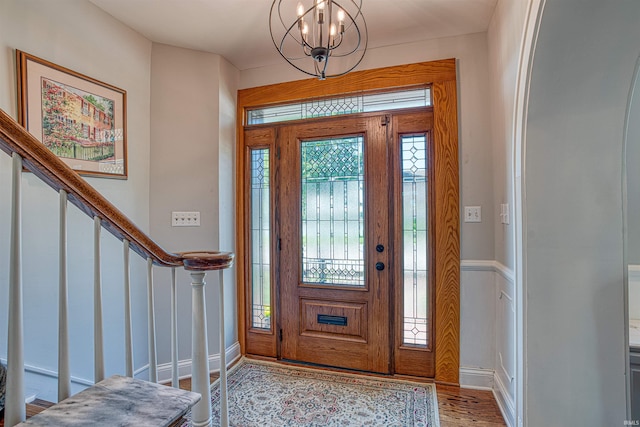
(298, 363)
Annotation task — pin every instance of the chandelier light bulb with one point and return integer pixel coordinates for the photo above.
(340, 15)
(300, 10)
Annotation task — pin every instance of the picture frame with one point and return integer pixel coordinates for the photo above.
(81, 120)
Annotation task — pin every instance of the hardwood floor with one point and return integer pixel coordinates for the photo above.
(458, 407)
(461, 407)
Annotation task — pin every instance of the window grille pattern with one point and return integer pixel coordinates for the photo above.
(260, 240)
(332, 176)
(415, 192)
(348, 104)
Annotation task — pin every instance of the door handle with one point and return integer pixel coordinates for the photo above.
(379, 266)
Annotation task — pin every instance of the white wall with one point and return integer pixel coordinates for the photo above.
(193, 148)
(633, 177)
(632, 163)
(504, 39)
(79, 36)
(580, 81)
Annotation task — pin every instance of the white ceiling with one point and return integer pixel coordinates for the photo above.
(239, 30)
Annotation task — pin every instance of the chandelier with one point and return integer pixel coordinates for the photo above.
(322, 38)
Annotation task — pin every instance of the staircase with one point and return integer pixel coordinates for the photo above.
(27, 152)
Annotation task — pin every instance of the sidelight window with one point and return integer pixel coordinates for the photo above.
(260, 239)
(415, 238)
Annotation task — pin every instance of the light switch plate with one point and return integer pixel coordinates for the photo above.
(472, 214)
(185, 219)
(504, 213)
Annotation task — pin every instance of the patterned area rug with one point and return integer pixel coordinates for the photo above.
(268, 394)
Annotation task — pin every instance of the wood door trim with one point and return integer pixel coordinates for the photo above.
(447, 232)
(442, 75)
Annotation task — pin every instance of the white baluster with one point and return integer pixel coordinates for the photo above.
(201, 412)
(14, 404)
(128, 343)
(224, 411)
(64, 372)
(98, 339)
(151, 324)
(174, 330)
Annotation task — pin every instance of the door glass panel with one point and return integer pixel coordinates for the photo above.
(332, 177)
(415, 238)
(260, 240)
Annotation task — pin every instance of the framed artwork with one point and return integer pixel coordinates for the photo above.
(80, 119)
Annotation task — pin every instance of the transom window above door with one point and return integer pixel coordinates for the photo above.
(345, 104)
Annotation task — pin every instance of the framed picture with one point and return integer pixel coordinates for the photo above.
(80, 119)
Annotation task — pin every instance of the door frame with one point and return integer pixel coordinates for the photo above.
(441, 75)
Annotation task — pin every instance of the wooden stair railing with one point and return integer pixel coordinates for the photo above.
(27, 151)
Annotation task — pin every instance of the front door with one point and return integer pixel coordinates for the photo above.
(334, 237)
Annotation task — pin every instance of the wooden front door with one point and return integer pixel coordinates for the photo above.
(333, 202)
(294, 299)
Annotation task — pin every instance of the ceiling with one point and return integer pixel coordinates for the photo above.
(239, 30)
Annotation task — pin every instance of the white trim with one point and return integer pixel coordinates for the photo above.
(488, 265)
(477, 265)
(52, 374)
(505, 402)
(184, 366)
(476, 378)
(164, 370)
(528, 43)
(634, 272)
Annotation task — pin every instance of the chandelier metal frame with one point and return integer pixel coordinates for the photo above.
(316, 35)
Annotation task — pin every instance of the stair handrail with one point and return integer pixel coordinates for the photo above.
(29, 153)
(43, 163)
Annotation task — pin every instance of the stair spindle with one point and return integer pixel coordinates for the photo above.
(224, 422)
(128, 334)
(174, 330)
(98, 339)
(64, 371)
(15, 412)
(151, 324)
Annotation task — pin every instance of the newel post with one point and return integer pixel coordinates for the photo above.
(201, 412)
(198, 263)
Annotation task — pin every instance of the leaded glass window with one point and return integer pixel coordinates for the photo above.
(345, 104)
(333, 211)
(415, 247)
(260, 239)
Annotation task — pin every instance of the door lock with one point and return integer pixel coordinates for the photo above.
(380, 248)
(379, 266)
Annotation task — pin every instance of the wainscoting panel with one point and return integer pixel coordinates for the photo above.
(487, 335)
(477, 318)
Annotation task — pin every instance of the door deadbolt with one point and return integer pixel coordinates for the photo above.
(380, 248)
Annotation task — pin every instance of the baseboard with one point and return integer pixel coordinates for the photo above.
(505, 401)
(476, 378)
(184, 366)
(52, 374)
(164, 370)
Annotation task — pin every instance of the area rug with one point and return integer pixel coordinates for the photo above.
(269, 394)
